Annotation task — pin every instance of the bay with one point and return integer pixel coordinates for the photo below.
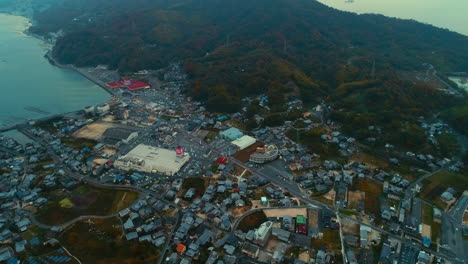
(30, 87)
(450, 14)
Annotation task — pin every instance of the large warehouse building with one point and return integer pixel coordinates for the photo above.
(244, 142)
(152, 159)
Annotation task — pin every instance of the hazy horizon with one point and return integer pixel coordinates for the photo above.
(450, 14)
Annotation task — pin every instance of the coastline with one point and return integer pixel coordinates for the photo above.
(54, 63)
(82, 72)
(50, 58)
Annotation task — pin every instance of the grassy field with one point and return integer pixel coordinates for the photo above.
(438, 183)
(101, 241)
(428, 219)
(330, 240)
(192, 182)
(78, 143)
(373, 192)
(349, 212)
(84, 200)
(252, 221)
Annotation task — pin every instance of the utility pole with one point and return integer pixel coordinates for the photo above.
(373, 70)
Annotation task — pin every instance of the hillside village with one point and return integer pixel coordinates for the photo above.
(155, 172)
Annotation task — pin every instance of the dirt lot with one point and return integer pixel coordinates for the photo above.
(237, 211)
(256, 204)
(84, 200)
(330, 195)
(312, 218)
(370, 161)
(102, 241)
(354, 198)
(349, 226)
(282, 212)
(426, 230)
(94, 130)
(244, 154)
(110, 151)
(202, 133)
(100, 161)
(372, 191)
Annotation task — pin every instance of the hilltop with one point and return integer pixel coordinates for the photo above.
(282, 48)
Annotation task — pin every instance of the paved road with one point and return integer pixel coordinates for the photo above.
(69, 223)
(452, 226)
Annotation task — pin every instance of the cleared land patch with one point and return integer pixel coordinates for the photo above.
(94, 130)
(64, 206)
(438, 183)
(101, 241)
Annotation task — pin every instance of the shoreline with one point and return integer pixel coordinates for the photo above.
(48, 56)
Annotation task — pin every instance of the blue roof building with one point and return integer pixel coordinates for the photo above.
(231, 133)
(426, 241)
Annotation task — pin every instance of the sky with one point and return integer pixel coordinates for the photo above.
(451, 14)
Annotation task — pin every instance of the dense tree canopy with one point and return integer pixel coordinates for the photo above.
(282, 48)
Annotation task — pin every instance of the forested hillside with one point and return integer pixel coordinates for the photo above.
(234, 48)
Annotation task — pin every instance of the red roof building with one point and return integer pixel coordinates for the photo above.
(116, 84)
(181, 248)
(301, 229)
(132, 85)
(221, 160)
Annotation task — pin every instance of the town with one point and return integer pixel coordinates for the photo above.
(152, 177)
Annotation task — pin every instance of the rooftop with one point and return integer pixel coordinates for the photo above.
(152, 159)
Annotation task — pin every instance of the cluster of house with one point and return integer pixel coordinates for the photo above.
(346, 144)
(288, 232)
(141, 221)
(84, 160)
(18, 190)
(433, 130)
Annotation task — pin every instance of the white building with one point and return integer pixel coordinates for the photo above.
(263, 233)
(244, 142)
(152, 159)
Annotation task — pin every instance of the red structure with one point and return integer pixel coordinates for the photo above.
(132, 85)
(221, 160)
(301, 229)
(179, 151)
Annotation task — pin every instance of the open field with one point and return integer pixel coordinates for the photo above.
(330, 240)
(78, 143)
(313, 218)
(349, 227)
(94, 130)
(371, 162)
(430, 227)
(438, 183)
(199, 184)
(102, 241)
(289, 211)
(327, 198)
(64, 206)
(354, 198)
(252, 221)
(372, 191)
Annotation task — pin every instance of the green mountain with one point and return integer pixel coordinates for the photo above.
(284, 48)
